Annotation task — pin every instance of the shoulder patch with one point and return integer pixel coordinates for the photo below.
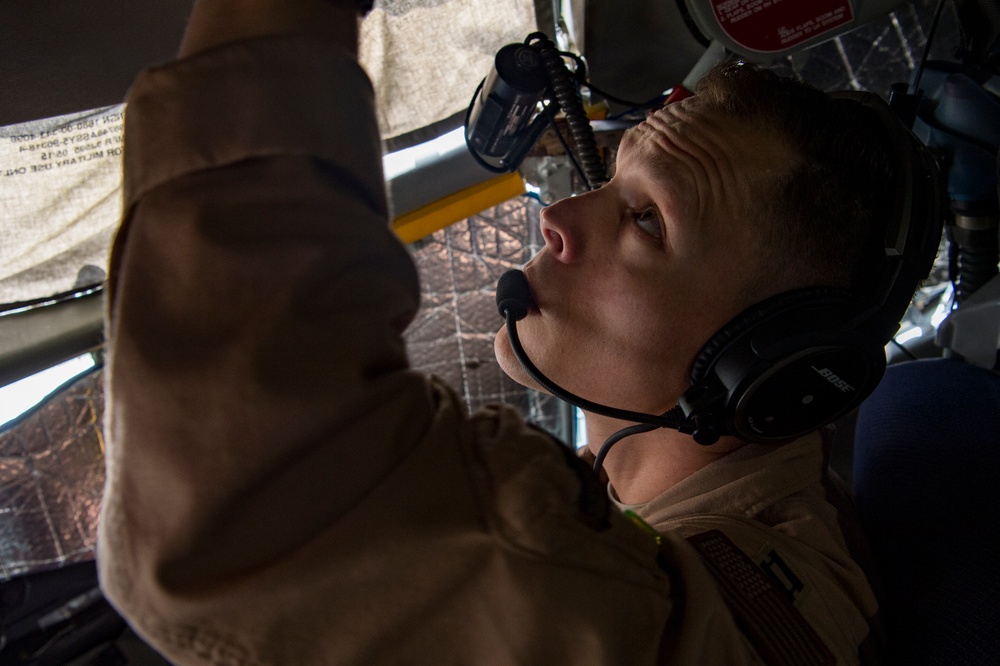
(762, 610)
(774, 565)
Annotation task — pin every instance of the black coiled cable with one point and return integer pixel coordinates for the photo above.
(977, 266)
(973, 247)
(567, 95)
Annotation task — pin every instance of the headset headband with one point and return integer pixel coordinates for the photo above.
(913, 230)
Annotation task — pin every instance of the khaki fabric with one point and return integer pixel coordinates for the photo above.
(60, 200)
(283, 490)
(772, 502)
(425, 57)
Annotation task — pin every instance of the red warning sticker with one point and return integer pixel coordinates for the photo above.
(769, 26)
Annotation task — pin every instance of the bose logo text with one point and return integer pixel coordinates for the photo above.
(834, 379)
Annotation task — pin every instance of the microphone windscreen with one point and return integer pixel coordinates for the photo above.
(513, 294)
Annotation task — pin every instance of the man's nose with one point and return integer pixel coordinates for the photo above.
(565, 226)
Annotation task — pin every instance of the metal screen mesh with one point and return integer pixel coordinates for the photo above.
(51, 480)
(453, 333)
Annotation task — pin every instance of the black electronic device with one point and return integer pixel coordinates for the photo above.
(503, 119)
(528, 84)
(798, 360)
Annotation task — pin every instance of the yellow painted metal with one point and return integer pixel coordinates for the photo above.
(426, 220)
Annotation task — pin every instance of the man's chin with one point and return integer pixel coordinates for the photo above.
(508, 362)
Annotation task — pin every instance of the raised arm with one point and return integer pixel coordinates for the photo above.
(282, 489)
(219, 22)
(256, 302)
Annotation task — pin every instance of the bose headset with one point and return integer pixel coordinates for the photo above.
(798, 360)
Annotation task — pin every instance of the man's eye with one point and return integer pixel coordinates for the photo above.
(649, 222)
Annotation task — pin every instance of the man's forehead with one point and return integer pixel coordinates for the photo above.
(639, 136)
(694, 149)
(631, 135)
(633, 147)
(637, 141)
(629, 141)
(642, 154)
(634, 136)
(641, 141)
(712, 129)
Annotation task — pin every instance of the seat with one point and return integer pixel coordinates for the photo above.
(925, 477)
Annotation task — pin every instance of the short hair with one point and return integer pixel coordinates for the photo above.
(823, 221)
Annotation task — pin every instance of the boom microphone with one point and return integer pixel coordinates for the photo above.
(513, 295)
(513, 303)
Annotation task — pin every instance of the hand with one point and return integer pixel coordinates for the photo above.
(362, 7)
(217, 22)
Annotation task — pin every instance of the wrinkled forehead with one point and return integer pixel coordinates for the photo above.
(706, 159)
(639, 136)
(655, 137)
(698, 123)
(639, 143)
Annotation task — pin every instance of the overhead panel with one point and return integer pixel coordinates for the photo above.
(60, 176)
(60, 200)
(425, 57)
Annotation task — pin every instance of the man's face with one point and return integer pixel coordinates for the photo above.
(636, 276)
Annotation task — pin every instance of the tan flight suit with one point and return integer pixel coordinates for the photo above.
(283, 490)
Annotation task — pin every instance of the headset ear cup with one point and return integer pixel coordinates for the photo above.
(753, 315)
(784, 367)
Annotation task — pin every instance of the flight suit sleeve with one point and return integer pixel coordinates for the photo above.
(281, 487)
(255, 308)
